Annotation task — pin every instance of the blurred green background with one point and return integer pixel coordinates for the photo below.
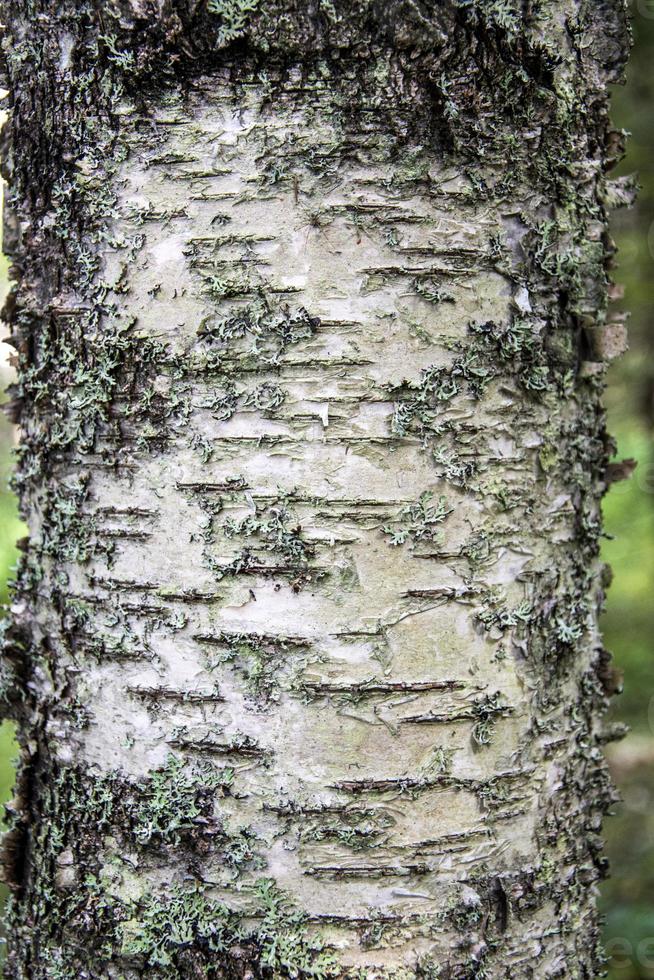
(628, 897)
(10, 530)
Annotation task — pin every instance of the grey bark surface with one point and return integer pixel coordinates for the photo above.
(311, 320)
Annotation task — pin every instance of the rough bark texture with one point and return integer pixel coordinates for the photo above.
(311, 321)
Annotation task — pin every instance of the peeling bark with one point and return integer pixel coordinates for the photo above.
(311, 326)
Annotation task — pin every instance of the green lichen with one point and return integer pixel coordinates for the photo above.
(486, 711)
(418, 522)
(169, 935)
(260, 659)
(174, 801)
(273, 532)
(234, 17)
(270, 327)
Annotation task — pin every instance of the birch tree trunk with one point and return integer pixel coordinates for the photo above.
(311, 326)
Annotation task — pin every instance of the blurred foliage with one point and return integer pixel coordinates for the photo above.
(11, 529)
(628, 896)
(628, 623)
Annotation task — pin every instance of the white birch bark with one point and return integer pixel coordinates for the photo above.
(312, 462)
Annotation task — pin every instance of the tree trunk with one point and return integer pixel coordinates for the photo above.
(311, 321)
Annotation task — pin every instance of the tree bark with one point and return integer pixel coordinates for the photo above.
(311, 326)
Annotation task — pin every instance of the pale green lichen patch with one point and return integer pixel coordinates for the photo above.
(170, 935)
(418, 522)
